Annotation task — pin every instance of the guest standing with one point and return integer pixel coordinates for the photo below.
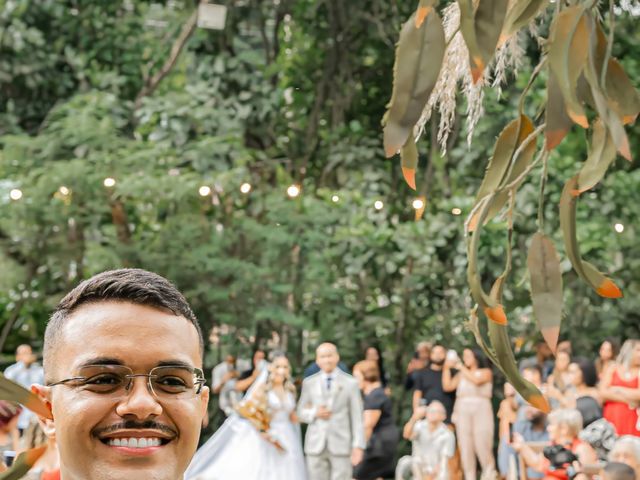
(25, 372)
(374, 354)
(620, 390)
(428, 383)
(223, 384)
(381, 433)
(559, 378)
(472, 413)
(419, 361)
(607, 354)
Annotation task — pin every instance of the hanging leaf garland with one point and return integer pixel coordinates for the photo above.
(584, 85)
(418, 60)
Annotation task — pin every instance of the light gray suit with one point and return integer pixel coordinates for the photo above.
(328, 443)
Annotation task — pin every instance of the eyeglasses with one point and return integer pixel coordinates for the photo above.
(166, 382)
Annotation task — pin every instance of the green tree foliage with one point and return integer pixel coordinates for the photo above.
(291, 92)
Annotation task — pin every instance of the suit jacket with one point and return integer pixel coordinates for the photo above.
(344, 430)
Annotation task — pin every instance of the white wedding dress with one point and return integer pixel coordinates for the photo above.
(237, 451)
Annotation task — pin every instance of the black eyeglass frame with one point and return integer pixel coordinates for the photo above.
(199, 381)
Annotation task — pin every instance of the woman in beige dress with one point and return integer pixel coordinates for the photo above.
(472, 413)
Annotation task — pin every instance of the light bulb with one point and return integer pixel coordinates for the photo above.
(619, 227)
(15, 194)
(64, 190)
(456, 211)
(245, 188)
(204, 191)
(109, 182)
(293, 191)
(378, 205)
(418, 203)
(335, 199)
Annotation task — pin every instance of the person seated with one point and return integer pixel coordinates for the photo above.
(627, 450)
(557, 460)
(432, 445)
(618, 471)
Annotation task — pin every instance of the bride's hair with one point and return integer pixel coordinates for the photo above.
(288, 384)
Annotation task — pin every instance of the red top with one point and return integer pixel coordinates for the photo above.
(620, 414)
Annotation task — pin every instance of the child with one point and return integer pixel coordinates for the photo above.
(433, 444)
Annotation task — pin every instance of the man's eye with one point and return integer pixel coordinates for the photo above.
(104, 379)
(171, 382)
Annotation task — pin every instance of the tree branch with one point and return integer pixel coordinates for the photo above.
(152, 83)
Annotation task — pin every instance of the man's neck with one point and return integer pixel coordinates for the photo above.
(329, 374)
(434, 367)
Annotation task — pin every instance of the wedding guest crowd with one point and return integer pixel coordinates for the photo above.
(592, 431)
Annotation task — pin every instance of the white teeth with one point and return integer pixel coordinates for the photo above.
(135, 442)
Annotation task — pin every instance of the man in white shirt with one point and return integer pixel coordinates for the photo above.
(433, 444)
(223, 383)
(25, 372)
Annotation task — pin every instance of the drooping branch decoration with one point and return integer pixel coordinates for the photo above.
(585, 86)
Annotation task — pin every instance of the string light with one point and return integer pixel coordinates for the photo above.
(64, 190)
(109, 182)
(335, 199)
(204, 191)
(418, 203)
(456, 211)
(619, 227)
(293, 191)
(245, 188)
(15, 194)
(378, 205)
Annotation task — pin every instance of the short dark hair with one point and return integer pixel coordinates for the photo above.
(132, 285)
(619, 471)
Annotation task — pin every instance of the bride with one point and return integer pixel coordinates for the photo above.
(262, 441)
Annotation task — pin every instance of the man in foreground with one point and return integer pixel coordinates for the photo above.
(122, 361)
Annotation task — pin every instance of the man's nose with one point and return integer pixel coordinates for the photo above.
(139, 401)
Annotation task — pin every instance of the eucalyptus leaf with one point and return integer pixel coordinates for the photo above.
(417, 67)
(546, 287)
(568, 51)
(409, 161)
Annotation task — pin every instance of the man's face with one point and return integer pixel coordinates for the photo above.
(327, 357)
(438, 354)
(25, 355)
(231, 360)
(258, 357)
(424, 352)
(86, 423)
(435, 413)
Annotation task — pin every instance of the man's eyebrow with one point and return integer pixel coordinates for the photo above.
(174, 363)
(116, 361)
(101, 361)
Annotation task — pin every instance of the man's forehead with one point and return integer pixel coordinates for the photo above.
(131, 333)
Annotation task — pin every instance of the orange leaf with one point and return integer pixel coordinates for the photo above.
(609, 289)
(496, 314)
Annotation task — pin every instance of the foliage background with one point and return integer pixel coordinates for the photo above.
(292, 91)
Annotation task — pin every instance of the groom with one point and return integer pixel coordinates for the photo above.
(331, 404)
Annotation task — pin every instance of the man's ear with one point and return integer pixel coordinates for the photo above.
(204, 398)
(48, 425)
